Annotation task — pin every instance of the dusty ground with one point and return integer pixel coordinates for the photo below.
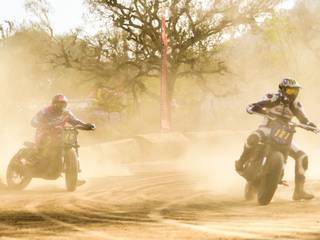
(153, 205)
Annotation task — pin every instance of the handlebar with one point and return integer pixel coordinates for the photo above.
(305, 127)
(86, 128)
(290, 123)
(80, 127)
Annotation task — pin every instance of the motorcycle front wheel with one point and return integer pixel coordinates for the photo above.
(71, 170)
(250, 191)
(18, 177)
(271, 177)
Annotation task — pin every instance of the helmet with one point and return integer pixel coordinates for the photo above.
(289, 88)
(59, 102)
(289, 83)
(59, 99)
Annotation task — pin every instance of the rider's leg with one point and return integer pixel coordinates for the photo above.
(301, 165)
(252, 142)
(41, 152)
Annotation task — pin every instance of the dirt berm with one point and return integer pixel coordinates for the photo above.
(156, 146)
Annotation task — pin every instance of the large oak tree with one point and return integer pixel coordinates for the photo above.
(196, 31)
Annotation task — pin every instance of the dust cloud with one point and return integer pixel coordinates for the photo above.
(212, 165)
(251, 74)
(27, 84)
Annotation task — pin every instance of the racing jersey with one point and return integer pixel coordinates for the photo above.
(277, 105)
(47, 120)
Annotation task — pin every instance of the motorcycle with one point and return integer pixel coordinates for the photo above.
(264, 170)
(29, 163)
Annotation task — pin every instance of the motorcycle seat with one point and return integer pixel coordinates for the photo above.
(29, 144)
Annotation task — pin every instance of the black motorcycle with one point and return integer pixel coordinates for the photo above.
(265, 169)
(29, 162)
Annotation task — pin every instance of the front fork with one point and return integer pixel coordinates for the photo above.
(78, 157)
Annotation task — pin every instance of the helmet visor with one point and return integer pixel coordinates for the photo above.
(292, 91)
(60, 105)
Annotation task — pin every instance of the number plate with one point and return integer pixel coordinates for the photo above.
(69, 137)
(282, 135)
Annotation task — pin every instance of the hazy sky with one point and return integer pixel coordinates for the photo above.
(65, 14)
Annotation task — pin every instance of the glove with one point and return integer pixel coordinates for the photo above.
(315, 128)
(90, 126)
(311, 124)
(239, 166)
(258, 109)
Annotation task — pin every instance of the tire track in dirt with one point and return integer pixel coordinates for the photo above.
(165, 205)
(86, 204)
(259, 227)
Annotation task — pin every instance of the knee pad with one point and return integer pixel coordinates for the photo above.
(253, 139)
(301, 163)
(302, 159)
(305, 162)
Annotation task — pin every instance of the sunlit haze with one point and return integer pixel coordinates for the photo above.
(64, 15)
(159, 119)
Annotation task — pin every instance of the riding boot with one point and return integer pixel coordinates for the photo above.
(299, 192)
(81, 182)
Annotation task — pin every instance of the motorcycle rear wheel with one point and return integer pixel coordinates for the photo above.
(17, 175)
(71, 170)
(271, 177)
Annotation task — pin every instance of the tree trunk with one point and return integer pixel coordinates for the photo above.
(172, 77)
(136, 105)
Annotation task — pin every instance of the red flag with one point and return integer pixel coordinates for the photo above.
(164, 31)
(164, 105)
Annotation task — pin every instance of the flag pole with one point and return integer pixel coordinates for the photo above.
(164, 97)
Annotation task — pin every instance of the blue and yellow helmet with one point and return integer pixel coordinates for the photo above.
(289, 88)
(289, 83)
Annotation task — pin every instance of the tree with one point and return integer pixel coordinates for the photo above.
(7, 29)
(304, 20)
(196, 31)
(40, 10)
(289, 34)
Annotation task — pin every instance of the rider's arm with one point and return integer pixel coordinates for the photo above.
(38, 120)
(298, 111)
(73, 120)
(267, 102)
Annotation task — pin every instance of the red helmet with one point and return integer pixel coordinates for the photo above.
(59, 99)
(59, 103)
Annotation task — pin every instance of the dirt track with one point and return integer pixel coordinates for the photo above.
(153, 206)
